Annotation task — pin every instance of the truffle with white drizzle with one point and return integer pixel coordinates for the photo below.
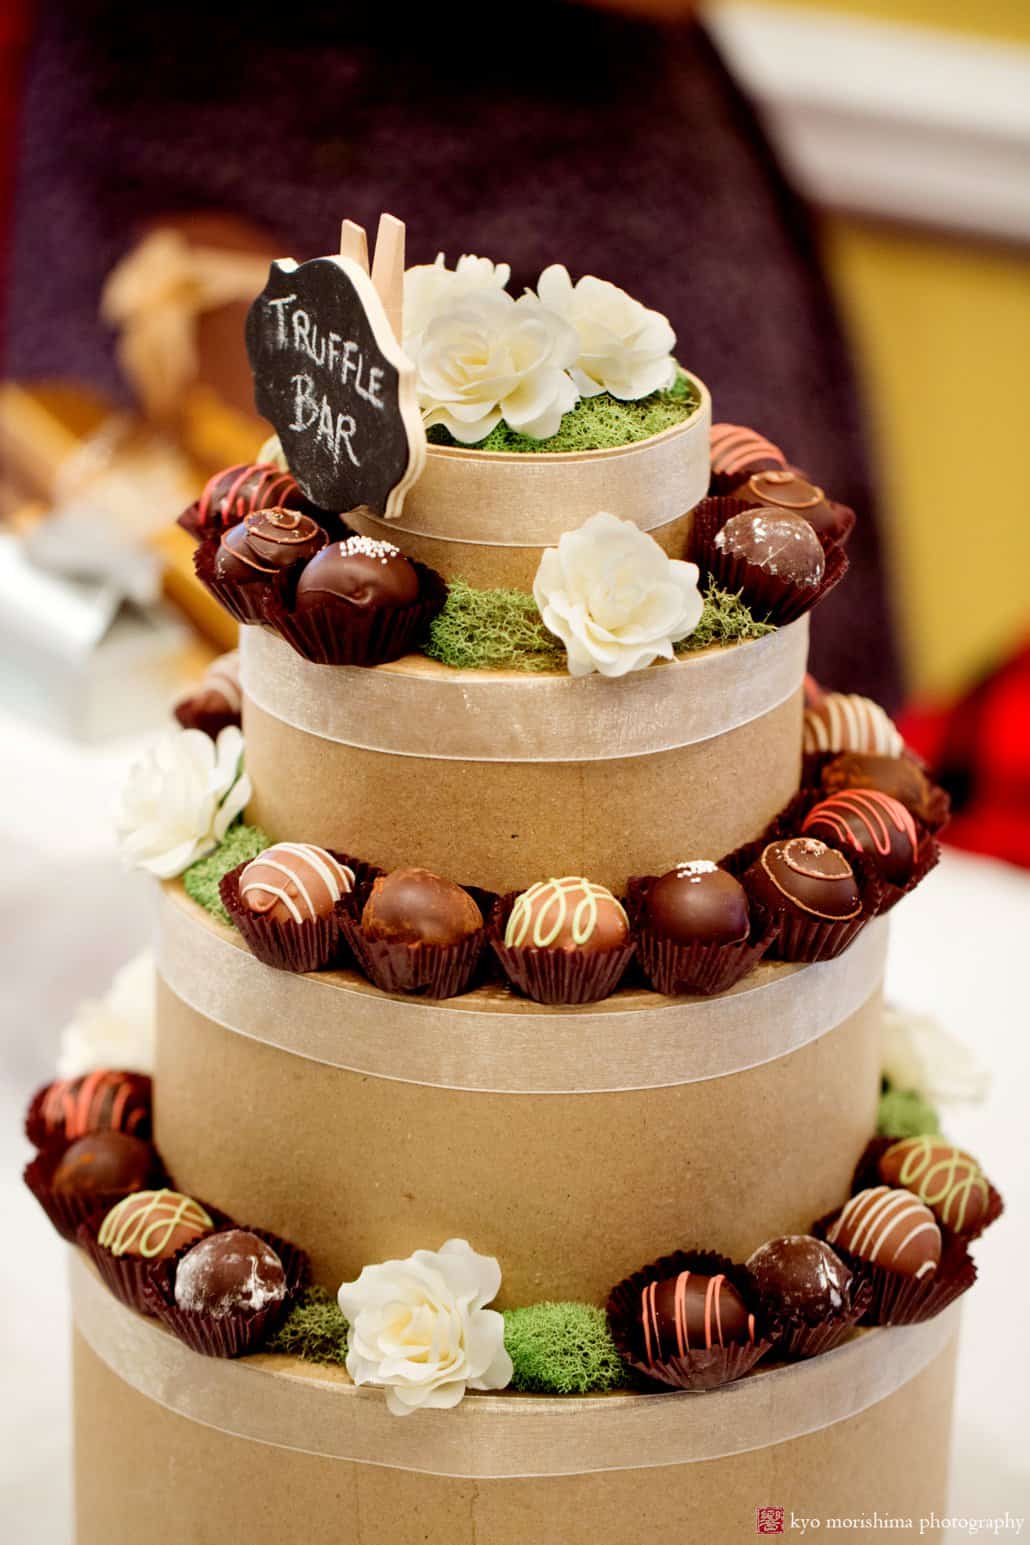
(294, 882)
(570, 913)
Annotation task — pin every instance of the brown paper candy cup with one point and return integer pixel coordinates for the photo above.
(431, 970)
(678, 969)
(330, 632)
(900, 1300)
(559, 976)
(229, 1335)
(127, 1276)
(867, 1174)
(67, 1212)
(800, 1339)
(768, 596)
(805, 940)
(314, 945)
(706, 1368)
(245, 603)
(136, 1112)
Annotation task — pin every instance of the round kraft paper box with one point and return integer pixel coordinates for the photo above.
(500, 779)
(572, 1143)
(486, 516)
(172, 1447)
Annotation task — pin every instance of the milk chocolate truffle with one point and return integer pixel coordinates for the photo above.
(949, 1181)
(691, 1313)
(229, 1273)
(889, 1228)
(152, 1225)
(698, 903)
(415, 906)
(897, 776)
(294, 882)
(217, 699)
(784, 488)
(105, 1100)
(266, 543)
(776, 543)
(866, 821)
(844, 721)
(360, 573)
(105, 1161)
(736, 452)
(567, 914)
(802, 1276)
(802, 877)
(230, 496)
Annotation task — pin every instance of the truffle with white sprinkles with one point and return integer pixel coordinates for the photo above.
(361, 573)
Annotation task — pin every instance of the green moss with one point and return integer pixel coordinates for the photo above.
(725, 620)
(492, 630)
(595, 423)
(903, 1113)
(241, 843)
(314, 1329)
(562, 1349)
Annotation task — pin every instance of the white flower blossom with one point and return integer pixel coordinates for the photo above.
(921, 1057)
(430, 289)
(624, 348)
(117, 1030)
(180, 800)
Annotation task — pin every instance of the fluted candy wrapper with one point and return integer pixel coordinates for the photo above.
(431, 970)
(329, 632)
(897, 1299)
(558, 976)
(769, 596)
(313, 945)
(699, 968)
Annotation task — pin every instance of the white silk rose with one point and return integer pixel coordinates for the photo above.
(117, 1030)
(624, 348)
(180, 800)
(432, 288)
(420, 1329)
(922, 1057)
(615, 599)
(490, 357)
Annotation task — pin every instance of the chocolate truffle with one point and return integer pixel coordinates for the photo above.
(217, 699)
(294, 882)
(844, 721)
(776, 543)
(802, 1276)
(415, 906)
(152, 1225)
(692, 1313)
(266, 543)
(698, 903)
(802, 877)
(567, 914)
(736, 452)
(102, 1101)
(230, 1273)
(237, 492)
(361, 573)
(784, 488)
(897, 776)
(891, 1229)
(105, 1161)
(949, 1181)
(866, 821)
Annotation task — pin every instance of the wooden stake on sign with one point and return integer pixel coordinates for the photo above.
(354, 243)
(388, 270)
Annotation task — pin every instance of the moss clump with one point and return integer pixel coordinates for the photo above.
(492, 630)
(562, 1349)
(595, 423)
(240, 844)
(725, 620)
(903, 1113)
(314, 1329)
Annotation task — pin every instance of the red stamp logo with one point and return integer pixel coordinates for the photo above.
(769, 1520)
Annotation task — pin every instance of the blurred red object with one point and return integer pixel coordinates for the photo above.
(15, 26)
(978, 748)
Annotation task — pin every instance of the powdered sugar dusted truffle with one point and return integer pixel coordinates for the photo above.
(777, 542)
(230, 1273)
(294, 882)
(889, 1228)
(844, 721)
(571, 913)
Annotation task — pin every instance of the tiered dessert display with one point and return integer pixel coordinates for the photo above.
(533, 959)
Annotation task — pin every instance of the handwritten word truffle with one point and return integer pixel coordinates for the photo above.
(801, 1275)
(843, 721)
(692, 1312)
(229, 1273)
(737, 451)
(105, 1100)
(698, 902)
(361, 573)
(949, 1181)
(775, 542)
(897, 776)
(889, 1228)
(803, 877)
(294, 882)
(105, 1161)
(237, 492)
(266, 543)
(152, 1225)
(571, 914)
(866, 821)
(415, 906)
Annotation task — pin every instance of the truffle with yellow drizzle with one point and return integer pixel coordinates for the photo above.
(949, 1181)
(152, 1225)
(570, 913)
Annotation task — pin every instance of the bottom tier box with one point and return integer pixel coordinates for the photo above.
(173, 1448)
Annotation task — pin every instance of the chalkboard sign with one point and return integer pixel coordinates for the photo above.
(331, 376)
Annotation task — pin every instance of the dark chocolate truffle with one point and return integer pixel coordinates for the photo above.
(736, 452)
(803, 877)
(949, 1181)
(845, 721)
(570, 914)
(891, 1229)
(802, 1276)
(692, 1313)
(784, 488)
(415, 906)
(266, 543)
(776, 543)
(104, 1100)
(105, 1161)
(698, 902)
(152, 1225)
(897, 776)
(217, 699)
(237, 492)
(294, 882)
(361, 573)
(866, 821)
(230, 1273)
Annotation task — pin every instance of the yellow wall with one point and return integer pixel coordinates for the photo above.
(1006, 19)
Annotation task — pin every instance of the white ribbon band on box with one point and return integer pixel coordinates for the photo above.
(415, 708)
(490, 1437)
(486, 1043)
